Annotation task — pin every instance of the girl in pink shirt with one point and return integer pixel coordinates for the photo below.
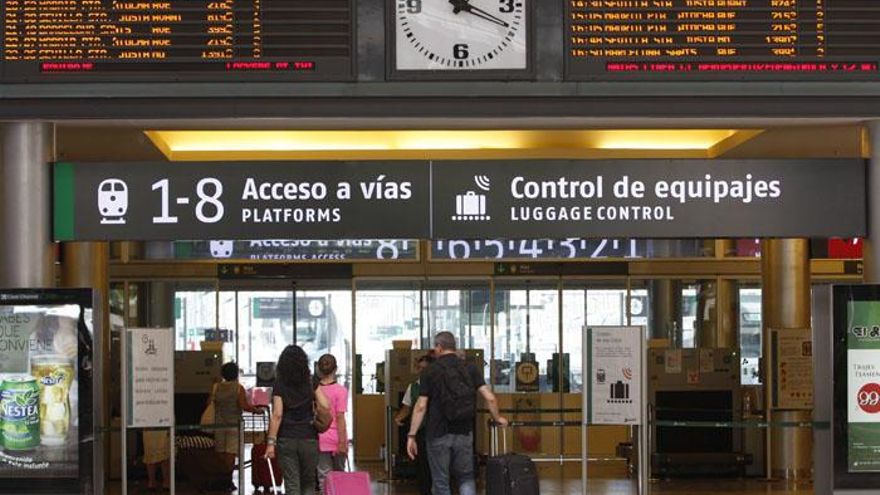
(333, 443)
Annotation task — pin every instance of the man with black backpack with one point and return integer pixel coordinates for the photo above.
(448, 396)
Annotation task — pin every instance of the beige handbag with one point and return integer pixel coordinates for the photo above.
(207, 418)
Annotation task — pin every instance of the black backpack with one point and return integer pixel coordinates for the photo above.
(458, 399)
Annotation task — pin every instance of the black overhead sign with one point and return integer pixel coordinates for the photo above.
(525, 199)
(649, 198)
(236, 200)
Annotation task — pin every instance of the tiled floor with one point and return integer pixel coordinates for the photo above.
(607, 480)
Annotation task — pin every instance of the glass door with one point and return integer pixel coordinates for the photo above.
(263, 322)
(527, 340)
(589, 303)
(463, 308)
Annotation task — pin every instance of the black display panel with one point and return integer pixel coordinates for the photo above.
(535, 249)
(722, 39)
(294, 250)
(171, 40)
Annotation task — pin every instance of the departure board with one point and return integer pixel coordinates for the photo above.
(202, 40)
(722, 39)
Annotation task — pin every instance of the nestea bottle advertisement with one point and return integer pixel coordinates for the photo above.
(38, 391)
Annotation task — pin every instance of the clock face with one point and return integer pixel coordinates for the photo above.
(460, 35)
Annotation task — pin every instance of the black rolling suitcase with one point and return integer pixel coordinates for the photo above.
(509, 474)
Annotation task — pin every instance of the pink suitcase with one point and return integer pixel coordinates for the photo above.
(342, 483)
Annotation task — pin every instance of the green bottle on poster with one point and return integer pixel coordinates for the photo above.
(20, 413)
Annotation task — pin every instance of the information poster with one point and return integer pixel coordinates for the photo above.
(39, 390)
(615, 355)
(793, 351)
(151, 377)
(863, 386)
(672, 361)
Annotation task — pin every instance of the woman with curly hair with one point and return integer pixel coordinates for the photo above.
(292, 430)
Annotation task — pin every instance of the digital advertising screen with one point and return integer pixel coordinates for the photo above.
(45, 386)
(856, 386)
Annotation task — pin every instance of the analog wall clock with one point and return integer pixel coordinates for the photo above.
(461, 35)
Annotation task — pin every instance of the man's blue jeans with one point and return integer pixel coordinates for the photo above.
(452, 456)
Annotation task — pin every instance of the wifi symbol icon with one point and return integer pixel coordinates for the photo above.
(482, 182)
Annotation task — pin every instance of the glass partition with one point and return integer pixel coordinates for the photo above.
(384, 315)
(463, 310)
(750, 333)
(531, 337)
(587, 303)
(264, 326)
(526, 330)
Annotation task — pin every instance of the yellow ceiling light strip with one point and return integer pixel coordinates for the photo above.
(184, 145)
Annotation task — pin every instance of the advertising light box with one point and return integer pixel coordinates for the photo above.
(45, 388)
(863, 386)
(856, 386)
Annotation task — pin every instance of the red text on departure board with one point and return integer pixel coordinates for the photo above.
(723, 36)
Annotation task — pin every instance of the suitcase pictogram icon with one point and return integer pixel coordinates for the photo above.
(470, 206)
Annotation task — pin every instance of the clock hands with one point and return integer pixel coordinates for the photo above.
(465, 6)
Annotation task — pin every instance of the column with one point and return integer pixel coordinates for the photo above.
(871, 140)
(665, 298)
(666, 321)
(721, 330)
(785, 304)
(160, 294)
(161, 304)
(26, 250)
(85, 265)
(727, 305)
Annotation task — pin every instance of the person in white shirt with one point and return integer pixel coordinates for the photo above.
(406, 405)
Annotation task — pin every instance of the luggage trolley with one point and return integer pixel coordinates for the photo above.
(254, 430)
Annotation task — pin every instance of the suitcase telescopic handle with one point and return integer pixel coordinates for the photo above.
(275, 487)
(495, 433)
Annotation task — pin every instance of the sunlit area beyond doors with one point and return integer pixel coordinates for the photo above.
(513, 324)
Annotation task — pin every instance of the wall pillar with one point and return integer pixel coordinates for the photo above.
(721, 330)
(665, 299)
(785, 304)
(85, 265)
(666, 321)
(27, 255)
(161, 304)
(871, 140)
(160, 301)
